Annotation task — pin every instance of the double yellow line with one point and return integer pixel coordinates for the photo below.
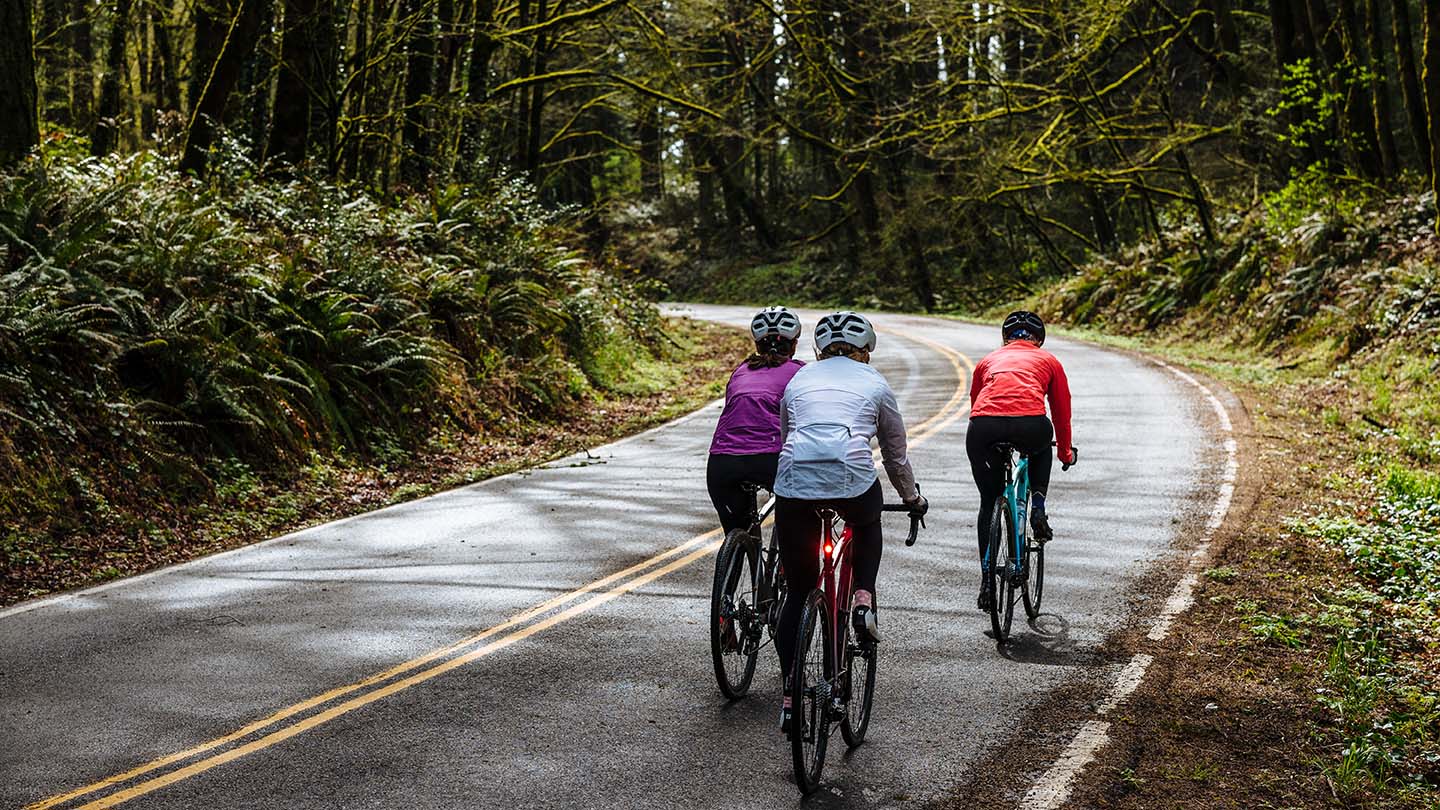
(425, 667)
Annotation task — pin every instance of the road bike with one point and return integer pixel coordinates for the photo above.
(745, 600)
(1014, 559)
(833, 676)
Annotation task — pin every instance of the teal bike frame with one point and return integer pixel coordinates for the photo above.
(1017, 500)
(1023, 561)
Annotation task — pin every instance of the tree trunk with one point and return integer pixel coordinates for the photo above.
(1360, 95)
(104, 139)
(357, 46)
(1410, 79)
(419, 81)
(19, 123)
(167, 84)
(536, 106)
(477, 77)
(255, 83)
(1380, 89)
(1227, 33)
(228, 41)
(304, 68)
(1341, 46)
(53, 60)
(1431, 79)
(651, 152)
(82, 58)
(1283, 33)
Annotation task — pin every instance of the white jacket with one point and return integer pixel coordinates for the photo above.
(829, 413)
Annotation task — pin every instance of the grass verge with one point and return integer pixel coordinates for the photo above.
(1306, 673)
(247, 505)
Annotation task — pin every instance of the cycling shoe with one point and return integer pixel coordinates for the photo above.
(867, 624)
(1040, 526)
(987, 596)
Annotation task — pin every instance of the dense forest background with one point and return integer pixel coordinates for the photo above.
(927, 153)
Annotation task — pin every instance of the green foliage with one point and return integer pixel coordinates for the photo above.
(1385, 720)
(1308, 104)
(1311, 193)
(1396, 545)
(1272, 627)
(1387, 727)
(148, 320)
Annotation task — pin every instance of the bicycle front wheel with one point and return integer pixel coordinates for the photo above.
(810, 693)
(1000, 555)
(860, 688)
(735, 624)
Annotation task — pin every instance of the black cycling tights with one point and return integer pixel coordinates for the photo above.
(1030, 435)
(723, 477)
(797, 528)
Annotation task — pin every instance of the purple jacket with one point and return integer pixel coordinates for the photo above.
(750, 423)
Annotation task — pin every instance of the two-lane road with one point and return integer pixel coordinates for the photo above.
(539, 640)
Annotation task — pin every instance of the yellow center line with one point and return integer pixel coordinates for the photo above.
(953, 409)
(326, 697)
(398, 686)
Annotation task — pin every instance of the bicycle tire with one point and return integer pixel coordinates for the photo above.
(732, 651)
(1033, 586)
(1001, 533)
(860, 699)
(810, 693)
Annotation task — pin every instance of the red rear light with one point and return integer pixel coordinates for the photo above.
(829, 549)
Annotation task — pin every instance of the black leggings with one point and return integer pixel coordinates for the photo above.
(723, 477)
(1030, 435)
(797, 528)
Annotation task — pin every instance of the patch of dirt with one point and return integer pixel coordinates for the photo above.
(170, 530)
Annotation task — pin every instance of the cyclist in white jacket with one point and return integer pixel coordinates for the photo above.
(828, 415)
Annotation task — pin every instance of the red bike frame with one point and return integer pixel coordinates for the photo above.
(835, 604)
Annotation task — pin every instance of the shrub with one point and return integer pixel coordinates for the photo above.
(148, 320)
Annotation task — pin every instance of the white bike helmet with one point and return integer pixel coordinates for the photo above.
(844, 327)
(775, 322)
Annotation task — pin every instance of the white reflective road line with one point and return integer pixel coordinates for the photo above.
(1053, 788)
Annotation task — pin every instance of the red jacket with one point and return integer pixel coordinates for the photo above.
(1014, 380)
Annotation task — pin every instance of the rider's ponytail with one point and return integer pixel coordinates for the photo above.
(771, 351)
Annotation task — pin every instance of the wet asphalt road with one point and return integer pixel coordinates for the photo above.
(606, 698)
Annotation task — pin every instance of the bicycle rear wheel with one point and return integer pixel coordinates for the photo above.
(1033, 586)
(1001, 556)
(810, 688)
(860, 686)
(735, 626)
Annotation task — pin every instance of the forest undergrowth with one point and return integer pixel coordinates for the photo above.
(187, 362)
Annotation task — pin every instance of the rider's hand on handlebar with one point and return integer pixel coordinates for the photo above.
(918, 506)
(1073, 456)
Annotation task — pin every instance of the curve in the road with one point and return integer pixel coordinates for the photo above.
(465, 651)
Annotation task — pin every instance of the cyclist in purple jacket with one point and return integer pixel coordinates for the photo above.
(746, 447)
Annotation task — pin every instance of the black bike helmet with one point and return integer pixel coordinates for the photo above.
(1021, 324)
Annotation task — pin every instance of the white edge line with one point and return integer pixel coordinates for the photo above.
(1053, 788)
(56, 599)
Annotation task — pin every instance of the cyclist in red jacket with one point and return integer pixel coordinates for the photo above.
(1007, 404)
